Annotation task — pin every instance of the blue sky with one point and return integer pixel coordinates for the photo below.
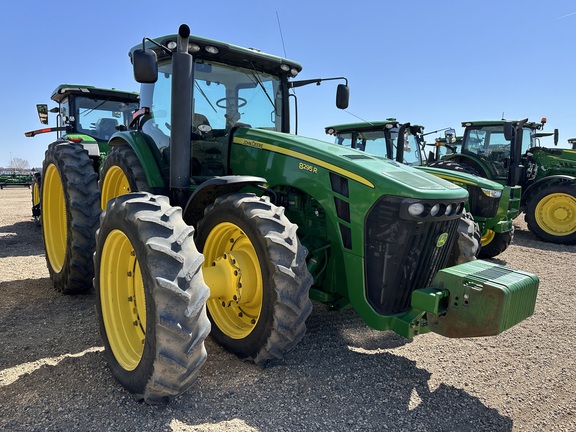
(435, 63)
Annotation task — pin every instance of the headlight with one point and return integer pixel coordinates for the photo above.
(416, 209)
(448, 211)
(435, 209)
(492, 193)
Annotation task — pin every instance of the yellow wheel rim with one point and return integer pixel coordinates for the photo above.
(487, 237)
(123, 300)
(35, 194)
(114, 184)
(232, 272)
(54, 218)
(556, 214)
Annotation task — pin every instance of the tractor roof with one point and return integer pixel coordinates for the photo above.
(202, 48)
(65, 90)
(530, 125)
(360, 126)
(366, 126)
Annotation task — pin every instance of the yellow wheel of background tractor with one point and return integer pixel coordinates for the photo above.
(494, 243)
(70, 213)
(256, 270)
(55, 225)
(551, 213)
(36, 182)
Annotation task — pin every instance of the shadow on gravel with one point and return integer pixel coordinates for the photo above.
(322, 385)
(21, 239)
(527, 239)
(37, 322)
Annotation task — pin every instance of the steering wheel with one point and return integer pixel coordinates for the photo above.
(241, 102)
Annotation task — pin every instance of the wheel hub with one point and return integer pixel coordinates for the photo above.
(232, 272)
(556, 214)
(123, 300)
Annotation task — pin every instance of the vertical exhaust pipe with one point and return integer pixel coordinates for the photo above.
(181, 117)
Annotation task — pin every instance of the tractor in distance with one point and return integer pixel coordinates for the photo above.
(492, 206)
(510, 153)
(87, 116)
(233, 225)
(62, 195)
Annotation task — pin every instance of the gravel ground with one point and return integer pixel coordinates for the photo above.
(343, 376)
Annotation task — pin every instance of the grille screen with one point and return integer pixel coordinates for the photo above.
(401, 255)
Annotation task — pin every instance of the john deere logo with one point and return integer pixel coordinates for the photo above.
(441, 240)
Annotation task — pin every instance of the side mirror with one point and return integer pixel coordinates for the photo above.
(508, 131)
(555, 137)
(145, 66)
(42, 113)
(450, 135)
(342, 96)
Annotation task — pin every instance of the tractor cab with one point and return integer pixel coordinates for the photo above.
(488, 146)
(225, 88)
(88, 115)
(382, 138)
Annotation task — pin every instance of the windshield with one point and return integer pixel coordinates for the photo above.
(489, 142)
(223, 97)
(374, 142)
(412, 154)
(100, 117)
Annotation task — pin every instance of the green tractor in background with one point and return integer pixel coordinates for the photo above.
(509, 152)
(87, 117)
(233, 225)
(492, 206)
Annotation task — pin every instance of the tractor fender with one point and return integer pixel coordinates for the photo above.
(538, 184)
(89, 145)
(148, 154)
(208, 191)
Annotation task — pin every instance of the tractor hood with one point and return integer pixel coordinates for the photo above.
(463, 179)
(296, 160)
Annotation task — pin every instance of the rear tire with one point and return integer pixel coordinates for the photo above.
(151, 297)
(121, 173)
(551, 213)
(36, 182)
(493, 243)
(454, 166)
(261, 312)
(70, 212)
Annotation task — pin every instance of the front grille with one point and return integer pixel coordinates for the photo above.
(402, 255)
(482, 205)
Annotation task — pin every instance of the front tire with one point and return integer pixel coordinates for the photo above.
(256, 270)
(551, 213)
(151, 297)
(70, 212)
(467, 246)
(493, 243)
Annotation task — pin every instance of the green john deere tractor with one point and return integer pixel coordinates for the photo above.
(233, 225)
(86, 119)
(509, 152)
(491, 205)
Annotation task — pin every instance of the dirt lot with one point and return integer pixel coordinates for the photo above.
(343, 376)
